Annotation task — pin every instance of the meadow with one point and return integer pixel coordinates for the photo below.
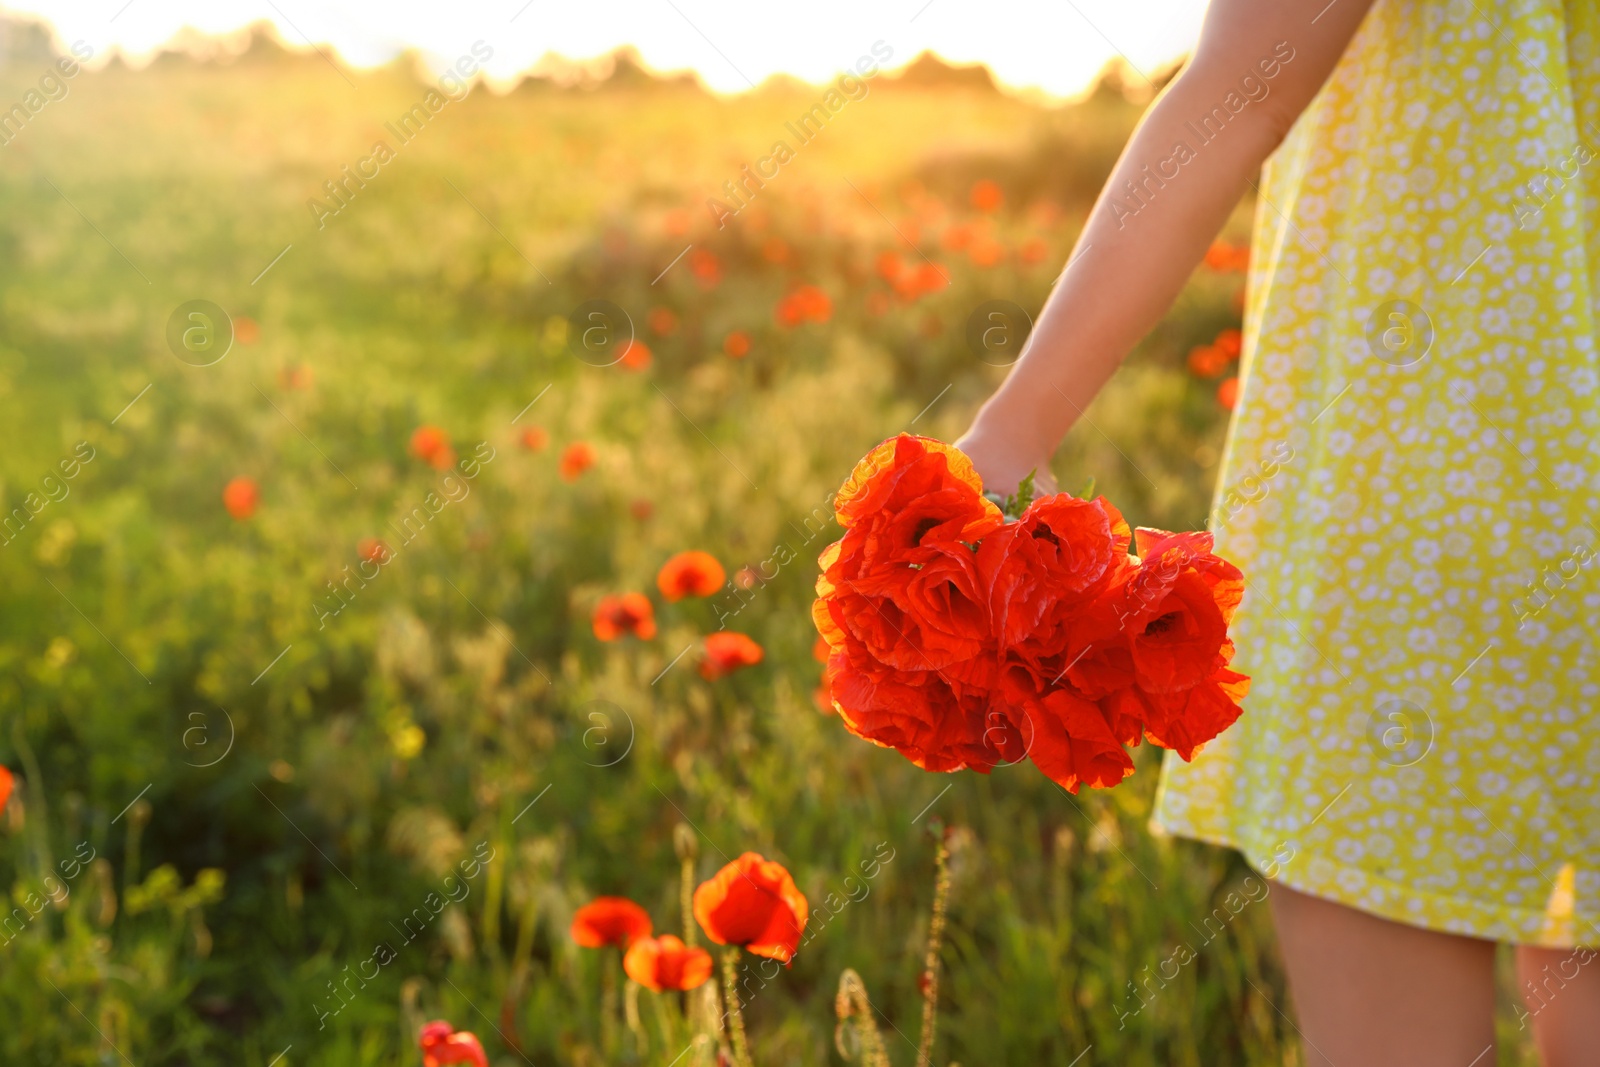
(284, 794)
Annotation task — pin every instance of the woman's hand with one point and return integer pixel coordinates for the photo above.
(1003, 461)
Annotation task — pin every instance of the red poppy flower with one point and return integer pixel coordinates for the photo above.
(985, 251)
(903, 582)
(240, 497)
(373, 550)
(807, 303)
(610, 921)
(641, 509)
(986, 195)
(889, 266)
(1230, 343)
(1228, 393)
(705, 267)
(736, 344)
(575, 459)
(5, 787)
(939, 723)
(753, 903)
(534, 438)
(666, 963)
(663, 321)
(1207, 361)
(432, 445)
(629, 613)
(1033, 250)
(746, 577)
(1222, 256)
(1067, 737)
(727, 652)
(637, 356)
(1040, 570)
(442, 1044)
(957, 236)
(921, 280)
(692, 573)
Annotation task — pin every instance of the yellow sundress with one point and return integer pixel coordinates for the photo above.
(1410, 486)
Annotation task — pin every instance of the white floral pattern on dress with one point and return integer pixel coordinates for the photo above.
(1427, 550)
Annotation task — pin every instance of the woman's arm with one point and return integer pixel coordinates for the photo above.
(1184, 170)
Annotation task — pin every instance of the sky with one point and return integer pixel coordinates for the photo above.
(1055, 46)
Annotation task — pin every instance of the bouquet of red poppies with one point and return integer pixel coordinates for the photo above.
(965, 637)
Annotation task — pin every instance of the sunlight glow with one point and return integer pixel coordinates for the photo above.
(1056, 48)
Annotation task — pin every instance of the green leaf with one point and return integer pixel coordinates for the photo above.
(1088, 490)
(1025, 491)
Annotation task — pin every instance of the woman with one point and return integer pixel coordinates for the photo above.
(1418, 764)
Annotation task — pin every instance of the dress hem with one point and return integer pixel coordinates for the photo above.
(1328, 879)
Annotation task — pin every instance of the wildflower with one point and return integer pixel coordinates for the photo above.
(663, 321)
(986, 195)
(240, 497)
(753, 903)
(692, 573)
(1207, 361)
(805, 304)
(1228, 393)
(727, 652)
(705, 267)
(628, 613)
(575, 459)
(636, 356)
(1033, 250)
(610, 921)
(666, 963)
(1230, 343)
(442, 1043)
(432, 445)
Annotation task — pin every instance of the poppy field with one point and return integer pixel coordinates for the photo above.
(394, 669)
